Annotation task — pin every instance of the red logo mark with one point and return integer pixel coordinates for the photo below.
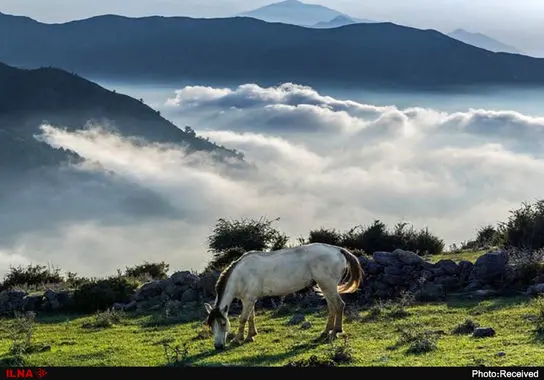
(25, 373)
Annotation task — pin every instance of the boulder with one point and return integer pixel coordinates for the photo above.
(465, 270)
(385, 258)
(408, 257)
(483, 332)
(431, 292)
(535, 290)
(448, 266)
(11, 301)
(184, 278)
(490, 268)
(190, 295)
(33, 303)
(150, 290)
(206, 283)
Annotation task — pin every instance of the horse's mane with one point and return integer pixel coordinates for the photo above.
(221, 283)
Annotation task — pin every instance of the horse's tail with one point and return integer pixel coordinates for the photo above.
(354, 273)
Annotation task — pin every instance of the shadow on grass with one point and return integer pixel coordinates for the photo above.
(487, 304)
(255, 360)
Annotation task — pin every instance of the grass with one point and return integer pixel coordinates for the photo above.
(468, 255)
(424, 336)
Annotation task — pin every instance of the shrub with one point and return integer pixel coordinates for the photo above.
(377, 237)
(99, 295)
(231, 239)
(31, 275)
(104, 319)
(525, 265)
(155, 271)
(467, 327)
(525, 227)
(327, 236)
(246, 234)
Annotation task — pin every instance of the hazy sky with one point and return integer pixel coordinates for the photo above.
(519, 23)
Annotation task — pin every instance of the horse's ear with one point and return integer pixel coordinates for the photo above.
(208, 307)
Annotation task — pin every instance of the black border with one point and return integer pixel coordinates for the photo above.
(420, 373)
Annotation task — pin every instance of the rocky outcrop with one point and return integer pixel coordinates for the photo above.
(386, 275)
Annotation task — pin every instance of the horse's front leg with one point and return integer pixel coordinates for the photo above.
(246, 310)
(252, 329)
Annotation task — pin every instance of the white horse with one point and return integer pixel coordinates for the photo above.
(278, 273)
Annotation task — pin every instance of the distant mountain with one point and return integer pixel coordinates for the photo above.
(31, 97)
(482, 41)
(242, 50)
(294, 12)
(336, 22)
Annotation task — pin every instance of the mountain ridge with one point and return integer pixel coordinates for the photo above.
(243, 49)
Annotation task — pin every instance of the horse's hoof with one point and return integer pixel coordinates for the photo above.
(236, 342)
(249, 339)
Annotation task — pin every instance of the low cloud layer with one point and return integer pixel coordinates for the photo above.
(317, 162)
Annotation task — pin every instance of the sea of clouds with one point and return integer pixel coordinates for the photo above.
(316, 161)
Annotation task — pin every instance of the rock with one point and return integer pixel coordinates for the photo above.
(131, 306)
(33, 303)
(306, 325)
(393, 270)
(152, 303)
(535, 290)
(296, 319)
(364, 260)
(500, 354)
(408, 257)
(448, 266)
(473, 286)
(385, 258)
(150, 290)
(173, 292)
(449, 282)
(51, 301)
(490, 268)
(184, 278)
(393, 279)
(465, 270)
(374, 268)
(484, 293)
(483, 332)
(206, 283)
(118, 307)
(190, 295)
(431, 292)
(11, 301)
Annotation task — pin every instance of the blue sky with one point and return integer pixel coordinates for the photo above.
(515, 22)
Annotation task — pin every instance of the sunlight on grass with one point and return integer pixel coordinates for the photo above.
(370, 342)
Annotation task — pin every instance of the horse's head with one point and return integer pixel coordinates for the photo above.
(218, 321)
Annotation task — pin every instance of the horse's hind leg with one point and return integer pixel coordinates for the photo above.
(336, 312)
(340, 306)
(328, 293)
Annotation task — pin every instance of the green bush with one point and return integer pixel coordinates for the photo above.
(525, 227)
(31, 275)
(377, 237)
(155, 271)
(101, 294)
(247, 234)
(327, 236)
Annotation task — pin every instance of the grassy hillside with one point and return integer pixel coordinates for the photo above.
(380, 336)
